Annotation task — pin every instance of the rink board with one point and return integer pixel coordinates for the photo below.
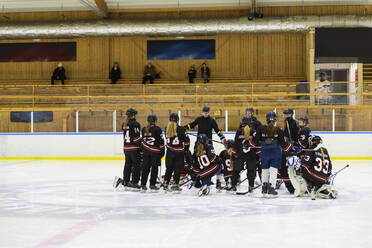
(108, 146)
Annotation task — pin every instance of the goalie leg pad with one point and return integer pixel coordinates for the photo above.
(298, 182)
(327, 192)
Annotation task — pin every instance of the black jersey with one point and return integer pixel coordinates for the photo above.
(153, 140)
(208, 158)
(131, 135)
(205, 126)
(180, 142)
(303, 137)
(241, 147)
(291, 129)
(225, 160)
(317, 166)
(261, 138)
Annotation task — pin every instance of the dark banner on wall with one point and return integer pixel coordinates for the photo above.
(180, 49)
(41, 52)
(25, 116)
(343, 45)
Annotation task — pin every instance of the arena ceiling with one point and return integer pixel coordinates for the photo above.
(96, 5)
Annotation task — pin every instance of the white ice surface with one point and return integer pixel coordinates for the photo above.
(73, 204)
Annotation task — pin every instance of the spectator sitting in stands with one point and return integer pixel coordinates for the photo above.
(59, 74)
(115, 74)
(192, 74)
(205, 72)
(149, 73)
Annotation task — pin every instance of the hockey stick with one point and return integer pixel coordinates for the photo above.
(244, 193)
(211, 139)
(331, 178)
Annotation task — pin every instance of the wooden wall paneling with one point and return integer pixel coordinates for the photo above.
(48, 16)
(6, 126)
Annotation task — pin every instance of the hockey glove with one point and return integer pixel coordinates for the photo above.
(296, 149)
(294, 161)
(223, 140)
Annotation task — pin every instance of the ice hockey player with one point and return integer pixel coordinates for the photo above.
(177, 143)
(291, 133)
(243, 154)
(271, 139)
(249, 112)
(132, 142)
(206, 163)
(311, 174)
(304, 132)
(153, 151)
(205, 125)
(226, 165)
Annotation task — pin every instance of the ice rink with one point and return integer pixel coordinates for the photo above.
(73, 204)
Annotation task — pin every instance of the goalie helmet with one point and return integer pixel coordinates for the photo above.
(229, 143)
(203, 138)
(314, 141)
(304, 119)
(271, 116)
(173, 117)
(152, 118)
(131, 112)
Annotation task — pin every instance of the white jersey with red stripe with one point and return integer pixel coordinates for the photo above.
(316, 166)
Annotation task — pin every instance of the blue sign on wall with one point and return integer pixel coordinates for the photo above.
(180, 49)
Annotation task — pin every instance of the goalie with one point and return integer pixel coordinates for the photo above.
(310, 174)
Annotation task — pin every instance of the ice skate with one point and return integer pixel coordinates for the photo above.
(232, 189)
(204, 190)
(264, 189)
(218, 186)
(143, 188)
(134, 187)
(154, 189)
(117, 182)
(176, 189)
(271, 192)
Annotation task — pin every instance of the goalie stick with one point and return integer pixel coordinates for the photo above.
(331, 178)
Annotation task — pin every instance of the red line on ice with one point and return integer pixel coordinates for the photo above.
(67, 235)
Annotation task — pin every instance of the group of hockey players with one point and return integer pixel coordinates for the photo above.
(292, 156)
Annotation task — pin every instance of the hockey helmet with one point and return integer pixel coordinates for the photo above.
(206, 109)
(314, 141)
(173, 117)
(152, 118)
(229, 143)
(203, 138)
(246, 121)
(288, 112)
(271, 116)
(304, 119)
(131, 112)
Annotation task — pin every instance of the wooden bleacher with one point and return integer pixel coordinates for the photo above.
(178, 94)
